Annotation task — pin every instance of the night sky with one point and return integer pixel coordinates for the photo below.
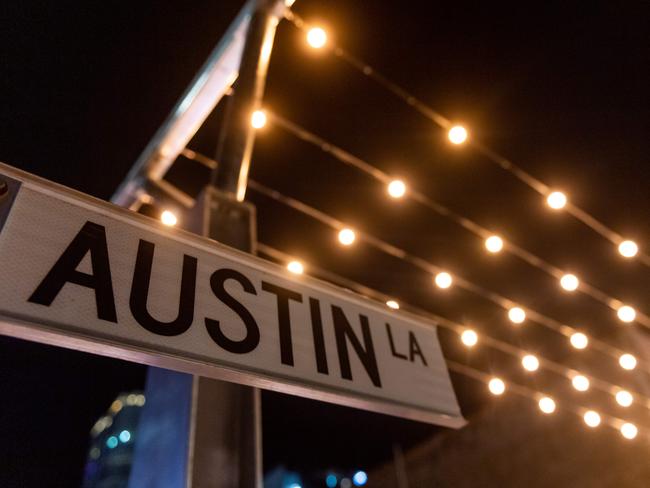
(560, 89)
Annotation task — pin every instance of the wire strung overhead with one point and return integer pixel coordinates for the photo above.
(459, 135)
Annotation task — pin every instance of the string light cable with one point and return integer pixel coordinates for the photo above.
(626, 247)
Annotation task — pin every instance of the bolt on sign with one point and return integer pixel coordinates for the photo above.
(87, 275)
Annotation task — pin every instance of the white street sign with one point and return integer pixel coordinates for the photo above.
(84, 274)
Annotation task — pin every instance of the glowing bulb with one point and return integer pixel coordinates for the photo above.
(547, 405)
(392, 304)
(125, 436)
(347, 237)
(111, 442)
(360, 478)
(629, 431)
(258, 119)
(494, 244)
(457, 134)
(626, 313)
(579, 340)
(168, 218)
(443, 280)
(556, 200)
(469, 337)
(569, 282)
(591, 418)
(580, 383)
(624, 398)
(516, 315)
(627, 361)
(396, 189)
(316, 37)
(530, 362)
(497, 386)
(628, 249)
(296, 267)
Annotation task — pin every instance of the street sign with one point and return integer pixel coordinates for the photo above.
(87, 275)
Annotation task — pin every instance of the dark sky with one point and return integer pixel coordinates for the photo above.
(559, 88)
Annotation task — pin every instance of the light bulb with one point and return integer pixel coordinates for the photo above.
(258, 119)
(628, 249)
(296, 267)
(591, 418)
(530, 362)
(443, 280)
(579, 340)
(497, 386)
(168, 218)
(457, 134)
(627, 361)
(580, 382)
(392, 304)
(396, 189)
(469, 337)
(316, 37)
(494, 244)
(347, 236)
(626, 314)
(556, 200)
(547, 405)
(629, 431)
(516, 315)
(569, 282)
(624, 398)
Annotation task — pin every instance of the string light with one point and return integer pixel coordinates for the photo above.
(168, 218)
(556, 200)
(258, 119)
(457, 134)
(469, 337)
(546, 405)
(497, 386)
(628, 249)
(530, 362)
(296, 267)
(579, 340)
(569, 282)
(392, 304)
(629, 431)
(443, 280)
(592, 418)
(347, 236)
(627, 361)
(624, 398)
(494, 244)
(396, 189)
(517, 315)
(580, 382)
(316, 37)
(626, 314)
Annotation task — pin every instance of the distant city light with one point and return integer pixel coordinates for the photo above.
(629, 431)
(316, 37)
(580, 382)
(258, 119)
(168, 218)
(295, 485)
(569, 282)
(443, 280)
(579, 340)
(556, 200)
(347, 237)
(517, 315)
(627, 361)
(624, 398)
(626, 314)
(296, 267)
(547, 405)
(530, 362)
(360, 478)
(457, 134)
(331, 480)
(469, 337)
(494, 244)
(346, 483)
(125, 436)
(111, 442)
(396, 189)
(116, 406)
(497, 386)
(628, 249)
(392, 304)
(591, 418)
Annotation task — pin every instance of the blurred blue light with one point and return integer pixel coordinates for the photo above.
(360, 478)
(294, 485)
(112, 442)
(125, 436)
(331, 481)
